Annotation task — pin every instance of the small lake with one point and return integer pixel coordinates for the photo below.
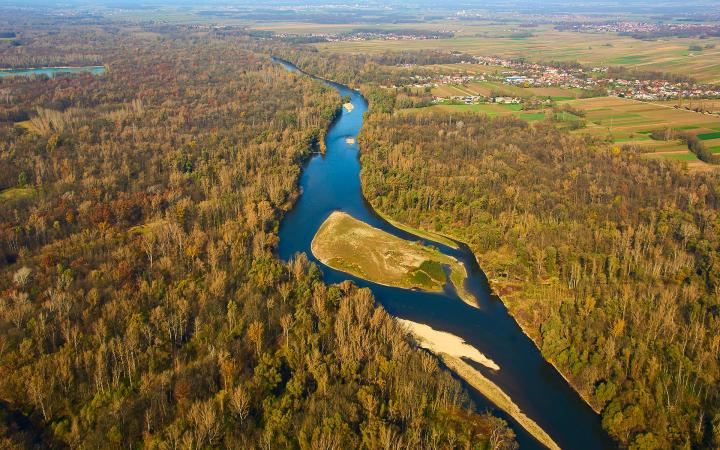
(331, 182)
(51, 71)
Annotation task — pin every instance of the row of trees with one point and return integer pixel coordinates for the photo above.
(140, 300)
(694, 144)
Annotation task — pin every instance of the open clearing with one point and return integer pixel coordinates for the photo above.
(496, 88)
(491, 109)
(350, 245)
(17, 194)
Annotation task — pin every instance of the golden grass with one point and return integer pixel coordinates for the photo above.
(28, 125)
(146, 227)
(350, 245)
(17, 194)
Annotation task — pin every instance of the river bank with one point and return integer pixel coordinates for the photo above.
(331, 182)
(498, 288)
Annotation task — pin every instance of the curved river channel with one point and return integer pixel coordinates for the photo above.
(331, 182)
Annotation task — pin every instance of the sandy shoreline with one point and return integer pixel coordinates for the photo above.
(496, 395)
(352, 246)
(451, 349)
(442, 342)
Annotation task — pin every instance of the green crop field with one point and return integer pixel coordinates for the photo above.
(489, 109)
(708, 136)
(625, 60)
(532, 116)
(687, 156)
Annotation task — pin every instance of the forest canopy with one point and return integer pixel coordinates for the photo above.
(608, 261)
(141, 303)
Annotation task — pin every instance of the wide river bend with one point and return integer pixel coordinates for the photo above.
(331, 182)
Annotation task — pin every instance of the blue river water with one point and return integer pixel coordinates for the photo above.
(331, 182)
(51, 71)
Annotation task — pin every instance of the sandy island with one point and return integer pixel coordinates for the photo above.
(348, 106)
(442, 342)
(451, 349)
(352, 246)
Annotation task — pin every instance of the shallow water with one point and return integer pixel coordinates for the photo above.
(331, 182)
(51, 71)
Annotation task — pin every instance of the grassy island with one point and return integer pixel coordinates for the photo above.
(350, 245)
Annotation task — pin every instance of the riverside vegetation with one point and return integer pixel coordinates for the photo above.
(140, 300)
(608, 261)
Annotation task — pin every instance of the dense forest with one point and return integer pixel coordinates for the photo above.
(367, 71)
(43, 44)
(608, 261)
(141, 303)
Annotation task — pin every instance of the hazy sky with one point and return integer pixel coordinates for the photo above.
(516, 5)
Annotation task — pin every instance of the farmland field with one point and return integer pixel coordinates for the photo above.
(546, 44)
(491, 109)
(622, 118)
(712, 105)
(488, 88)
(628, 121)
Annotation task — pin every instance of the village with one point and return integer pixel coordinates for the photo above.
(643, 30)
(369, 35)
(595, 80)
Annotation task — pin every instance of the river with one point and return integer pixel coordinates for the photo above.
(51, 71)
(331, 182)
